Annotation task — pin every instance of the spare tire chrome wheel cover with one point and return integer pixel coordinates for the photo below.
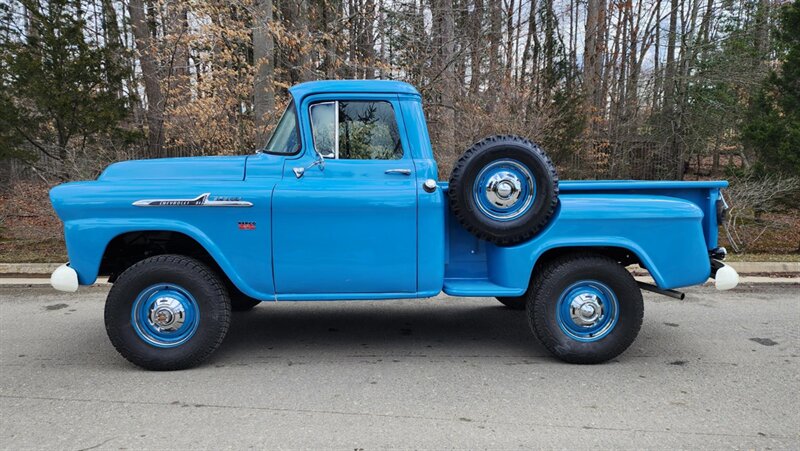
(504, 190)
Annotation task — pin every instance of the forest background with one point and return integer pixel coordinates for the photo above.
(622, 89)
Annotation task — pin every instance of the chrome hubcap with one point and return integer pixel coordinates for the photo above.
(167, 314)
(586, 309)
(504, 190)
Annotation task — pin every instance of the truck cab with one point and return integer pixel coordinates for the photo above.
(344, 202)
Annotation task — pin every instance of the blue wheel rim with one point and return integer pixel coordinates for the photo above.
(165, 315)
(587, 311)
(504, 190)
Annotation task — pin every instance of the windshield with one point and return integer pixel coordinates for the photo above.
(285, 138)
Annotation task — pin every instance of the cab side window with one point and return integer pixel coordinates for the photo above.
(355, 130)
(323, 128)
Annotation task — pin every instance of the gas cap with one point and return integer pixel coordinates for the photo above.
(429, 186)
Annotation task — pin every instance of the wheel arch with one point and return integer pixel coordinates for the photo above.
(127, 248)
(622, 254)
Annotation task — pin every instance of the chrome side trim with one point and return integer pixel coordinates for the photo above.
(199, 201)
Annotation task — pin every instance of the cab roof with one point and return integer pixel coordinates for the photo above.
(351, 86)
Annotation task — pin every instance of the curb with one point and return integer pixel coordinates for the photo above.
(765, 267)
(776, 269)
(28, 269)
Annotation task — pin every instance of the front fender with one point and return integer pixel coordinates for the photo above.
(94, 213)
(89, 238)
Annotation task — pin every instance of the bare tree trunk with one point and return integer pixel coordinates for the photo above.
(449, 87)
(670, 88)
(495, 35)
(110, 23)
(330, 15)
(516, 65)
(548, 17)
(762, 31)
(382, 33)
(531, 53)
(301, 28)
(420, 37)
(368, 40)
(476, 47)
(593, 48)
(150, 75)
(30, 28)
(657, 59)
(177, 27)
(113, 36)
(509, 40)
(263, 49)
(618, 115)
(669, 72)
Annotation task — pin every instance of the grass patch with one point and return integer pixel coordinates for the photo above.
(46, 250)
(763, 258)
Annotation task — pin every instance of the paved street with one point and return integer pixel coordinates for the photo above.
(717, 370)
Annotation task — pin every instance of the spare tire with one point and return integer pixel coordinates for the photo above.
(504, 189)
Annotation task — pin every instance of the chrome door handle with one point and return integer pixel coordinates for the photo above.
(399, 171)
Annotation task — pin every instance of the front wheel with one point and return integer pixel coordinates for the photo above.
(167, 312)
(585, 308)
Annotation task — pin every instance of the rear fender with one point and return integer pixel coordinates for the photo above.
(665, 234)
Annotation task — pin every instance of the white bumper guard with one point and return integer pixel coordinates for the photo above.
(64, 278)
(725, 277)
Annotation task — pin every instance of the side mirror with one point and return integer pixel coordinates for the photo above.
(319, 161)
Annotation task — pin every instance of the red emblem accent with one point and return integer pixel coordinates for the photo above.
(247, 226)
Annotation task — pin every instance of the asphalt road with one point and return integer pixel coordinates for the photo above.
(718, 370)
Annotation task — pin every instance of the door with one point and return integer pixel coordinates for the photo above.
(351, 227)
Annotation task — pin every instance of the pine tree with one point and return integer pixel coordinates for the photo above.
(57, 89)
(773, 124)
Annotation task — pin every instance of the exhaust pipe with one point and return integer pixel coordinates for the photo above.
(670, 293)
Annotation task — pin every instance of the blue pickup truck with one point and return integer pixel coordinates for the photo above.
(344, 202)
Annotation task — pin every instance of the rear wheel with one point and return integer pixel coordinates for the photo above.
(585, 308)
(167, 312)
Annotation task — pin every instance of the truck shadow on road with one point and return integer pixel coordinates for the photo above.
(319, 329)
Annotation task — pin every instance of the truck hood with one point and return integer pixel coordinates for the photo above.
(191, 168)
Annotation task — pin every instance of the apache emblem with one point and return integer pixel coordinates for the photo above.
(203, 200)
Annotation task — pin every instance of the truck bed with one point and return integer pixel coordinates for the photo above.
(669, 226)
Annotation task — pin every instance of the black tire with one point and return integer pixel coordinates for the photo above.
(514, 303)
(559, 275)
(474, 217)
(213, 312)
